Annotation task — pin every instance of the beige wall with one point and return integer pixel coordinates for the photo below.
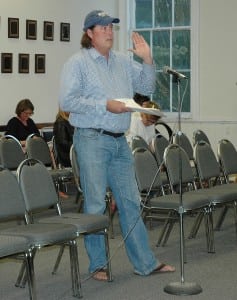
(217, 71)
(42, 89)
(218, 64)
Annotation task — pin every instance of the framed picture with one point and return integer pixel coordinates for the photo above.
(31, 29)
(13, 28)
(48, 31)
(39, 63)
(6, 62)
(23, 63)
(65, 32)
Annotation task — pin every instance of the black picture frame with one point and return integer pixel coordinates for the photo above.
(31, 29)
(40, 63)
(6, 62)
(65, 32)
(13, 28)
(23, 63)
(48, 31)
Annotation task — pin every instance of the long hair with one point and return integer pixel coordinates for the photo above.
(86, 40)
(62, 114)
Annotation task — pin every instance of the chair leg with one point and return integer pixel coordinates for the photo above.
(148, 216)
(29, 261)
(162, 233)
(75, 272)
(111, 215)
(235, 215)
(22, 276)
(109, 269)
(167, 227)
(60, 254)
(209, 230)
(196, 225)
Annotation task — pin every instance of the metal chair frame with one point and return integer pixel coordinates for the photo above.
(11, 152)
(31, 171)
(227, 156)
(37, 148)
(148, 179)
(211, 180)
(12, 207)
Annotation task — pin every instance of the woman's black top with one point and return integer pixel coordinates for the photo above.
(16, 128)
(63, 135)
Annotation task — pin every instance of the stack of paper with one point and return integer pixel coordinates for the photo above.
(130, 103)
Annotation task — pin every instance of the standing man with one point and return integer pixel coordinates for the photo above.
(93, 81)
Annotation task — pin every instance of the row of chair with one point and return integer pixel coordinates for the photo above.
(12, 154)
(26, 197)
(176, 163)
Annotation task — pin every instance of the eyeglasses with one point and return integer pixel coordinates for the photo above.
(28, 113)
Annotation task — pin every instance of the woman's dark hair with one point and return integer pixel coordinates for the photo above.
(140, 98)
(86, 40)
(23, 105)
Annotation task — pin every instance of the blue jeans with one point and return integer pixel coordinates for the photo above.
(107, 161)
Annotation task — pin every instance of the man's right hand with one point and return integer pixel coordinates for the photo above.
(116, 107)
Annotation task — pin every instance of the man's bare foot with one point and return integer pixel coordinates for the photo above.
(163, 268)
(100, 275)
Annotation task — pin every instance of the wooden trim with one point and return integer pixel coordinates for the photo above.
(41, 125)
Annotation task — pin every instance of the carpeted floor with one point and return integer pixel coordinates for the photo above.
(215, 273)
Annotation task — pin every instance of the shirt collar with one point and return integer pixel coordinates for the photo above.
(96, 55)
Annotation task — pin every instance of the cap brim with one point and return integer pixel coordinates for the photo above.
(104, 21)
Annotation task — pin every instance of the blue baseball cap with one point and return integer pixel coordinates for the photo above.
(98, 17)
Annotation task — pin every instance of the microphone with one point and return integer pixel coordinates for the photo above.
(168, 70)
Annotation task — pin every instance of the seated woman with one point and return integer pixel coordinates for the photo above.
(142, 124)
(151, 124)
(63, 134)
(22, 125)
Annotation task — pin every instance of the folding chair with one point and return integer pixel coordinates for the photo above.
(164, 127)
(12, 207)
(11, 152)
(158, 146)
(148, 178)
(210, 175)
(32, 176)
(200, 135)
(12, 246)
(37, 148)
(183, 141)
(227, 156)
(138, 142)
(219, 195)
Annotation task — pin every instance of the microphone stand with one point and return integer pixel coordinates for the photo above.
(181, 288)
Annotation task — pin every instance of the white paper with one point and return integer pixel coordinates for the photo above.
(130, 103)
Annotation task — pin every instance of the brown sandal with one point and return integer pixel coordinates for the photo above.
(163, 268)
